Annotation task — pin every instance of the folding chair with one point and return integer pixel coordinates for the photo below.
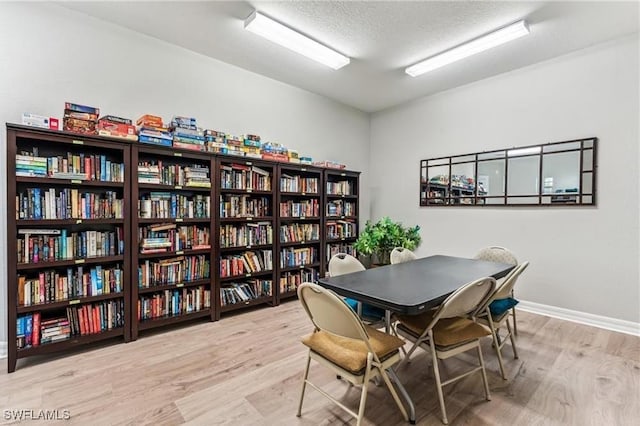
(341, 342)
(401, 255)
(446, 331)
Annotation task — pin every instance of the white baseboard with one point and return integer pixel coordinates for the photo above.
(608, 323)
(3, 350)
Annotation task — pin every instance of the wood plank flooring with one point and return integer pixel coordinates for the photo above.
(246, 370)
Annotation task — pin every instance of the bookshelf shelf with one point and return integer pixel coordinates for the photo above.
(103, 166)
(70, 343)
(157, 288)
(173, 253)
(68, 302)
(174, 220)
(246, 304)
(300, 243)
(247, 275)
(158, 187)
(246, 219)
(301, 194)
(67, 182)
(298, 267)
(164, 321)
(342, 212)
(288, 294)
(242, 248)
(298, 218)
(71, 262)
(244, 191)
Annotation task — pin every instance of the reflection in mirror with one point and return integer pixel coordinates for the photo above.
(523, 176)
(463, 183)
(589, 143)
(587, 186)
(463, 159)
(496, 201)
(562, 147)
(491, 178)
(523, 151)
(561, 172)
(491, 155)
(522, 200)
(587, 160)
(439, 162)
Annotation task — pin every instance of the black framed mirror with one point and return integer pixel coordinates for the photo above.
(552, 174)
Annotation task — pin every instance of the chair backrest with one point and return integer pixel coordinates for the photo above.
(330, 313)
(401, 255)
(342, 263)
(467, 300)
(497, 254)
(504, 289)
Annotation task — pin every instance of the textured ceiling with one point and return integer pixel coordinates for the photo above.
(382, 38)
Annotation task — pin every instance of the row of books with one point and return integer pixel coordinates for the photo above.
(290, 183)
(306, 208)
(299, 232)
(51, 245)
(335, 248)
(290, 257)
(173, 303)
(244, 206)
(239, 176)
(246, 263)
(161, 238)
(289, 281)
(234, 293)
(340, 208)
(250, 234)
(56, 286)
(89, 167)
(344, 187)
(176, 270)
(52, 203)
(341, 229)
(166, 205)
(161, 173)
(32, 330)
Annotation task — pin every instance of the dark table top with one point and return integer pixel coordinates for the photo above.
(412, 287)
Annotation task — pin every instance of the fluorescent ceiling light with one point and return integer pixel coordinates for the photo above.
(480, 44)
(276, 32)
(523, 151)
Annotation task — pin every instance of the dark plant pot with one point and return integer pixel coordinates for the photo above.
(365, 260)
(383, 258)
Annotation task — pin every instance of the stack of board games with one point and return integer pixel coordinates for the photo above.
(80, 118)
(294, 157)
(306, 160)
(186, 134)
(215, 141)
(151, 130)
(252, 146)
(234, 145)
(41, 121)
(329, 164)
(117, 127)
(275, 152)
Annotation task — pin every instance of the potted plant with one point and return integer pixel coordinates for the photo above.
(377, 240)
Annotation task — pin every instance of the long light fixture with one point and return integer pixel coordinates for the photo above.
(276, 32)
(480, 44)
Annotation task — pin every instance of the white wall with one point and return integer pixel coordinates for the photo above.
(584, 259)
(49, 55)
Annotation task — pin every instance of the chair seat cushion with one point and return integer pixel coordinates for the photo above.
(500, 306)
(351, 354)
(447, 331)
(368, 311)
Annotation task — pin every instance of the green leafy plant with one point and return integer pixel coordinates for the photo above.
(380, 238)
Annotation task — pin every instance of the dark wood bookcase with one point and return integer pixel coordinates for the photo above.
(299, 227)
(245, 214)
(342, 212)
(174, 198)
(68, 241)
(269, 226)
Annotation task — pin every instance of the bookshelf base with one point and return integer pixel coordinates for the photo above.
(162, 321)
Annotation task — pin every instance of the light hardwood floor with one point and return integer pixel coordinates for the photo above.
(246, 370)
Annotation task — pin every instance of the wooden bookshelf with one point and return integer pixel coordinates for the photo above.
(246, 266)
(68, 241)
(232, 205)
(299, 227)
(173, 224)
(341, 213)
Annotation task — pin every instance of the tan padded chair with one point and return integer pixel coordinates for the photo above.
(401, 255)
(500, 255)
(342, 263)
(447, 331)
(495, 322)
(344, 344)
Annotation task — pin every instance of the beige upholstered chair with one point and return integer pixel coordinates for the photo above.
(500, 255)
(446, 331)
(401, 255)
(342, 263)
(344, 344)
(495, 322)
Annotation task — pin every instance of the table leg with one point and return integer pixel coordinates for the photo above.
(387, 321)
(405, 395)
